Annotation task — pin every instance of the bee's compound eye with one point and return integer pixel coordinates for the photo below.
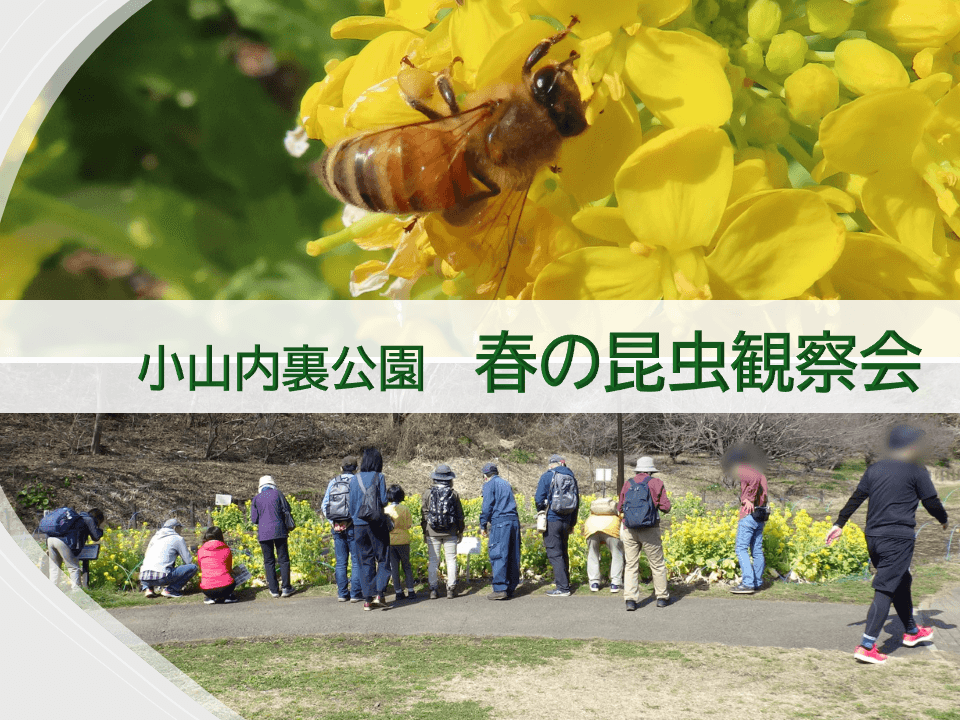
(543, 83)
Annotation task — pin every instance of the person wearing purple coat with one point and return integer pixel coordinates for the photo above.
(268, 512)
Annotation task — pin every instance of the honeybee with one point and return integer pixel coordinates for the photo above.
(473, 165)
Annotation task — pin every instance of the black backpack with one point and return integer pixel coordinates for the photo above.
(441, 509)
(564, 493)
(67, 525)
(639, 510)
(370, 508)
(338, 504)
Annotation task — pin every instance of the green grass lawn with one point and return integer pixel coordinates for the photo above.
(463, 678)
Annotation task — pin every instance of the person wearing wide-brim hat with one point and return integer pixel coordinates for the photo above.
(894, 486)
(500, 521)
(642, 499)
(443, 523)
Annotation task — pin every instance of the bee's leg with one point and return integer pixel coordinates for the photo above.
(465, 210)
(543, 47)
(446, 88)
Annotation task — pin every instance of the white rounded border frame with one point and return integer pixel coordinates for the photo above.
(63, 653)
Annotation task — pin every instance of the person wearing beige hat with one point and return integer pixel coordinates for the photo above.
(642, 500)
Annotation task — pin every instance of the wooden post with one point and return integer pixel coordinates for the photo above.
(620, 466)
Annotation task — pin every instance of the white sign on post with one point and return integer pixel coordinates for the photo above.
(223, 499)
(469, 546)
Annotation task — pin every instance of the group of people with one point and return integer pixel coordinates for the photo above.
(371, 529)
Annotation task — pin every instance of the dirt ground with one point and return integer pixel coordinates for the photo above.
(541, 679)
(153, 467)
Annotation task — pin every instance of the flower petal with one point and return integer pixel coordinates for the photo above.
(873, 267)
(368, 276)
(474, 28)
(363, 27)
(600, 274)
(378, 61)
(875, 131)
(903, 207)
(504, 61)
(321, 113)
(680, 77)
(593, 18)
(415, 13)
(590, 160)
(656, 13)
(782, 242)
(749, 176)
(673, 189)
(604, 223)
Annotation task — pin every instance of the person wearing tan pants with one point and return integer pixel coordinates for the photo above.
(651, 543)
(642, 499)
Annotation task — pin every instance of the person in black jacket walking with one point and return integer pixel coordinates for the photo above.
(895, 486)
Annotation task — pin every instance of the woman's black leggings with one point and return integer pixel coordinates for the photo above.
(902, 601)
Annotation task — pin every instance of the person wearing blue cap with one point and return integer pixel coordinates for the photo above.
(895, 486)
(500, 522)
(559, 497)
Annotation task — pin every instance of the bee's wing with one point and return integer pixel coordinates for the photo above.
(487, 240)
(487, 244)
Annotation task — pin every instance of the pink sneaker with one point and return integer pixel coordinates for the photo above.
(872, 656)
(921, 635)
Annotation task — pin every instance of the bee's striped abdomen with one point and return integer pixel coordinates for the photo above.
(406, 170)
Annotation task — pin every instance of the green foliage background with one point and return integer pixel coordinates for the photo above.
(162, 151)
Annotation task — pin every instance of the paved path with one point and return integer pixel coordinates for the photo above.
(942, 612)
(734, 621)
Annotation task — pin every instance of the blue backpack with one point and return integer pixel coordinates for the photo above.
(68, 525)
(639, 510)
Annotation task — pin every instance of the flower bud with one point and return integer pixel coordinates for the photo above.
(766, 121)
(864, 67)
(811, 92)
(908, 26)
(829, 18)
(786, 53)
(763, 19)
(750, 55)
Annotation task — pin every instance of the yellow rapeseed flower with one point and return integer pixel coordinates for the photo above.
(731, 148)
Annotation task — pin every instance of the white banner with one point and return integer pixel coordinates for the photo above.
(270, 356)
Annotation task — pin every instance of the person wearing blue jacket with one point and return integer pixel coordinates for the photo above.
(500, 522)
(371, 533)
(559, 526)
(268, 512)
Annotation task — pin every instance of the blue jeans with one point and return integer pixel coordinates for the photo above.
(749, 547)
(346, 554)
(176, 580)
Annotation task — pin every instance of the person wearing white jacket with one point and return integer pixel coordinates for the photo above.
(159, 569)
